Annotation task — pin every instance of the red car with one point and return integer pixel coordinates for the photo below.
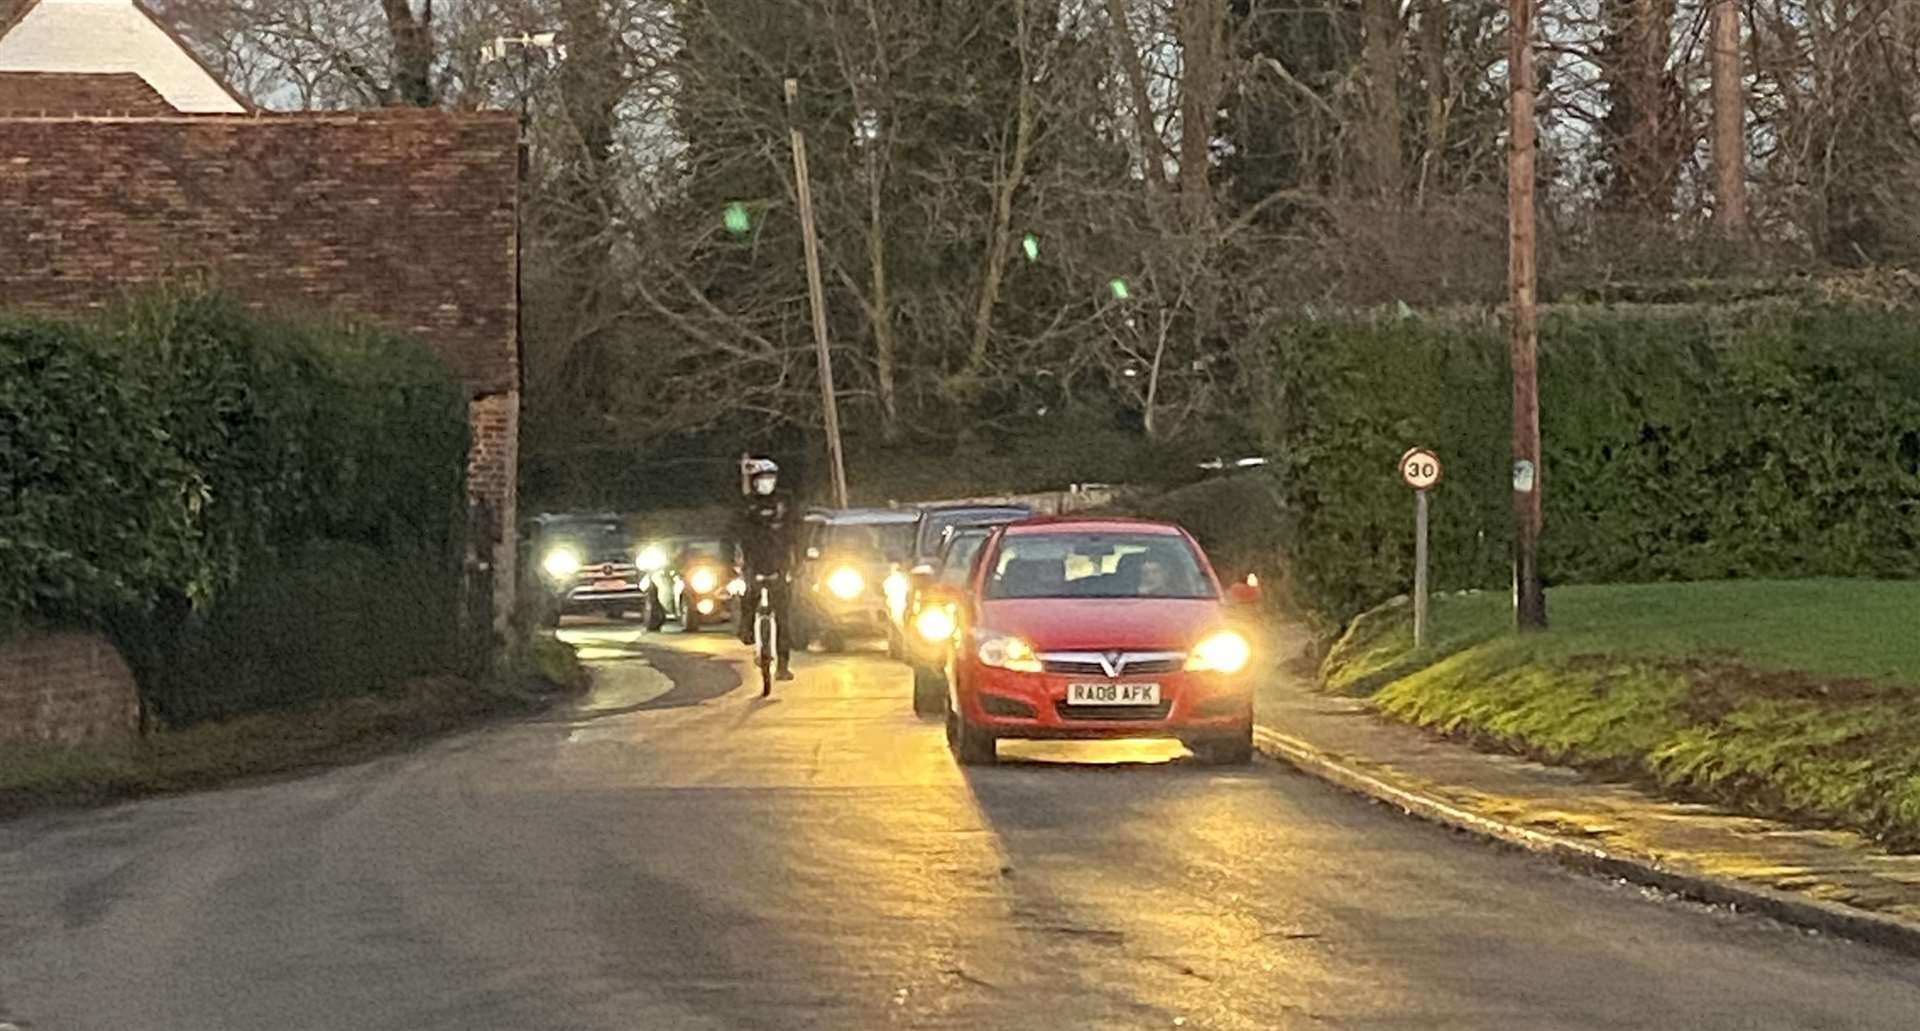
(1099, 628)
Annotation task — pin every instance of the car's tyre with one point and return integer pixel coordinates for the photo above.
(971, 745)
(654, 613)
(833, 642)
(929, 691)
(1234, 749)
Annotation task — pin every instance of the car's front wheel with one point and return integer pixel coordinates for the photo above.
(971, 745)
(929, 691)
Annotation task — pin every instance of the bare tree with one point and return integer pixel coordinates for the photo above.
(1203, 74)
(1646, 120)
(1379, 166)
(413, 51)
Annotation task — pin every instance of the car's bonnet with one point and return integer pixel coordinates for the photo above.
(1101, 624)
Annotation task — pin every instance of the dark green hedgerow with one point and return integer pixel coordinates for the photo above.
(1688, 445)
(241, 500)
(97, 509)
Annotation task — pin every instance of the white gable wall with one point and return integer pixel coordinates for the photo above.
(111, 36)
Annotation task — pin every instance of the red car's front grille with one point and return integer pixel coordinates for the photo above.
(1113, 713)
(1093, 668)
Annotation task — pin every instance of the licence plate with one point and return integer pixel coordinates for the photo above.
(1113, 694)
(610, 585)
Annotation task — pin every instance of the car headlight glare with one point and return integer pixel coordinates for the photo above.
(1008, 653)
(703, 580)
(846, 583)
(651, 559)
(1223, 652)
(561, 563)
(935, 624)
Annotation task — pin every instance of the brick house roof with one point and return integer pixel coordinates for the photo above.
(105, 36)
(72, 93)
(404, 216)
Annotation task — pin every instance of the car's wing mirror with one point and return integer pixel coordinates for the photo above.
(1245, 592)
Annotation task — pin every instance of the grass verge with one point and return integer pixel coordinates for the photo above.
(335, 732)
(1798, 700)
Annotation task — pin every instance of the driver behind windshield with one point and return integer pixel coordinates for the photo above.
(1098, 569)
(1154, 579)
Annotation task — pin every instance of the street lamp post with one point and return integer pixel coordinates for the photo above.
(527, 42)
(496, 50)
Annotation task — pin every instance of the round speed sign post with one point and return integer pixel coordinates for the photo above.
(1420, 469)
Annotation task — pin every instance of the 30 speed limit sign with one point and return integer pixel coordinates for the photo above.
(1420, 467)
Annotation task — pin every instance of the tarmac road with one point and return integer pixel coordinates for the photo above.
(677, 853)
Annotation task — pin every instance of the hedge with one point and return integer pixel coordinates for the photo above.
(316, 429)
(208, 483)
(1678, 445)
(100, 511)
(322, 619)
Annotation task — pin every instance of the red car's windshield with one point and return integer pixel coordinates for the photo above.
(1096, 565)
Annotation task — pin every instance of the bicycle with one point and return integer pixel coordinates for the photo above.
(766, 630)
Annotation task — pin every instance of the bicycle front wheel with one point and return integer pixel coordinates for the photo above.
(764, 629)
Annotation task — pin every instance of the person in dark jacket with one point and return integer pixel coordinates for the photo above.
(767, 527)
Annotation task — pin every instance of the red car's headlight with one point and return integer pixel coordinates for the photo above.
(1222, 652)
(1004, 651)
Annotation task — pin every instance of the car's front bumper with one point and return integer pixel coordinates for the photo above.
(723, 607)
(861, 615)
(1034, 705)
(588, 597)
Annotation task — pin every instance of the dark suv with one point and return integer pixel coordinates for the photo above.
(586, 562)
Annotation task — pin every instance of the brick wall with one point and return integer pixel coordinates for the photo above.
(492, 477)
(403, 216)
(65, 688)
(408, 217)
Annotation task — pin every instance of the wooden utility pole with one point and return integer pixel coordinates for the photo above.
(1529, 596)
(816, 294)
(1729, 120)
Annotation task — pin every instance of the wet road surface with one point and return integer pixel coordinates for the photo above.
(678, 853)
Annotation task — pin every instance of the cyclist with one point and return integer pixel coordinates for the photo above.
(766, 529)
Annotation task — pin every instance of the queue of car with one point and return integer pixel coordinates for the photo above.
(1014, 626)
